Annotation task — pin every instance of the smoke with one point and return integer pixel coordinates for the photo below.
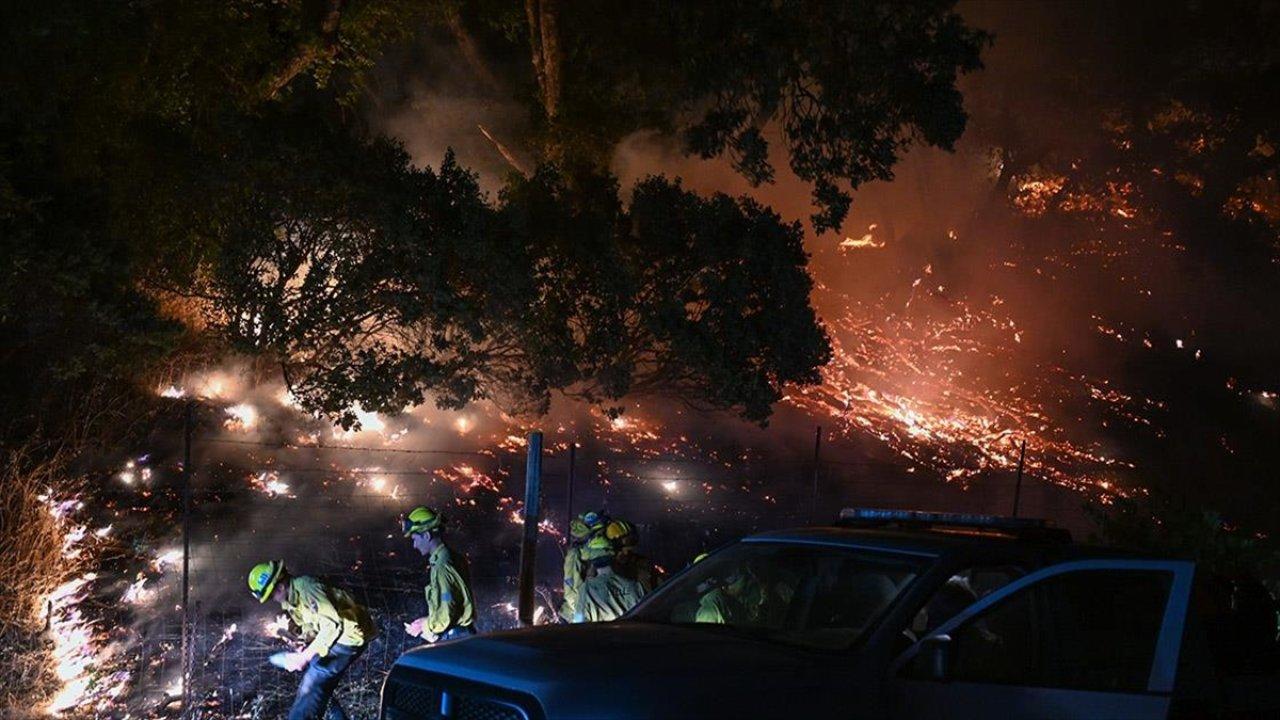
(964, 330)
(969, 326)
(434, 100)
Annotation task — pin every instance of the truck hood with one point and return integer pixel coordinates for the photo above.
(632, 669)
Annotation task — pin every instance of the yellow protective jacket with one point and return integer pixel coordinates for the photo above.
(575, 571)
(327, 615)
(720, 608)
(449, 601)
(639, 568)
(606, 597)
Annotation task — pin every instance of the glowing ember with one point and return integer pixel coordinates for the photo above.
(132, 473)
(867, 241)
(545, 526)
(467, 478)
(242, 417)
(268, 482)
(904, 378)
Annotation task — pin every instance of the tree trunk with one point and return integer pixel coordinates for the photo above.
(471, 53)
(544, 46)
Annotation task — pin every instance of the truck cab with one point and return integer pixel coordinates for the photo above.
(884, 614)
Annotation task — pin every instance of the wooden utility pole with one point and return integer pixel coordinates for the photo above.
(532, 514)
(1017, 488)
(817, 460)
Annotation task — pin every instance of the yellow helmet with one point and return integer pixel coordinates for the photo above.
(621, 533)
(597, 547)
(421, 519)
(263, 578)
(587, 524)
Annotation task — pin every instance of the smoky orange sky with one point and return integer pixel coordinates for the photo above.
(962, 331)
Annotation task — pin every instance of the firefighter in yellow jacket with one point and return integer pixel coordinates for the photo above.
(576, 568)
(629, 562)
(337, 627)
(451, 612)
(607, 595)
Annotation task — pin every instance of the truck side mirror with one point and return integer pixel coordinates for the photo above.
(933, 662)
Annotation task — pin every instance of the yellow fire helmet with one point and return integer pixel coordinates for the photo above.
(578, 530)
(621, 533)
(421, 519)
(587, 524)
(597, 547)
(263, 578)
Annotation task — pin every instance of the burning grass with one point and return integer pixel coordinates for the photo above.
(34, 561)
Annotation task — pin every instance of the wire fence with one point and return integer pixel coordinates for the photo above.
(333, 512)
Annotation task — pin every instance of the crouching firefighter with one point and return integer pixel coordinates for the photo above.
(451, 612)
(337, 627)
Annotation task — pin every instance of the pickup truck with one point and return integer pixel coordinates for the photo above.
(884, 614)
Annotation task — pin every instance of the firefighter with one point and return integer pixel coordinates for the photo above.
(607, 595)
(724, 603)
(628, 561)
(451, 612)
(337, 627)
(581, 530)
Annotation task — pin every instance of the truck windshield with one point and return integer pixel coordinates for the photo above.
(810, 595)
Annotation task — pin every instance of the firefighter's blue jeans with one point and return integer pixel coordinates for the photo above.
(320, 679)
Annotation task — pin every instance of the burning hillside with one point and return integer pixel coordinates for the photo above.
(1077, 295)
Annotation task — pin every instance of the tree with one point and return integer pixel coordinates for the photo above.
(378, 284)
(215, 148)
(94, 94)
(849, 85)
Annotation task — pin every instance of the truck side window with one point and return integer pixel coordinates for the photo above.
(1086, 630)
(959, 592)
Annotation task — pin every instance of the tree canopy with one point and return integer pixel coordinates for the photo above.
(848, 85)
(217, 152)
(377, 283)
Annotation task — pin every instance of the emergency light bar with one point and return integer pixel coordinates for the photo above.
(1026, 528)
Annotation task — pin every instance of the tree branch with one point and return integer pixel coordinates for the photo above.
(308, 53)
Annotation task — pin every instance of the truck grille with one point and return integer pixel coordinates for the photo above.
(411, 701)
(473, 708)
(416, 701)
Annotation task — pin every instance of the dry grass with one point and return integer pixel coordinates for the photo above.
(27, 679)
(32, 564)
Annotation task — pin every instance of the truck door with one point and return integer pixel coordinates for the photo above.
(1081, 639)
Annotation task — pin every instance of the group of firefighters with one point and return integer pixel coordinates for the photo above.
(604, 577)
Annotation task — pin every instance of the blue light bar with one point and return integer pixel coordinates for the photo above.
(925, 517)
